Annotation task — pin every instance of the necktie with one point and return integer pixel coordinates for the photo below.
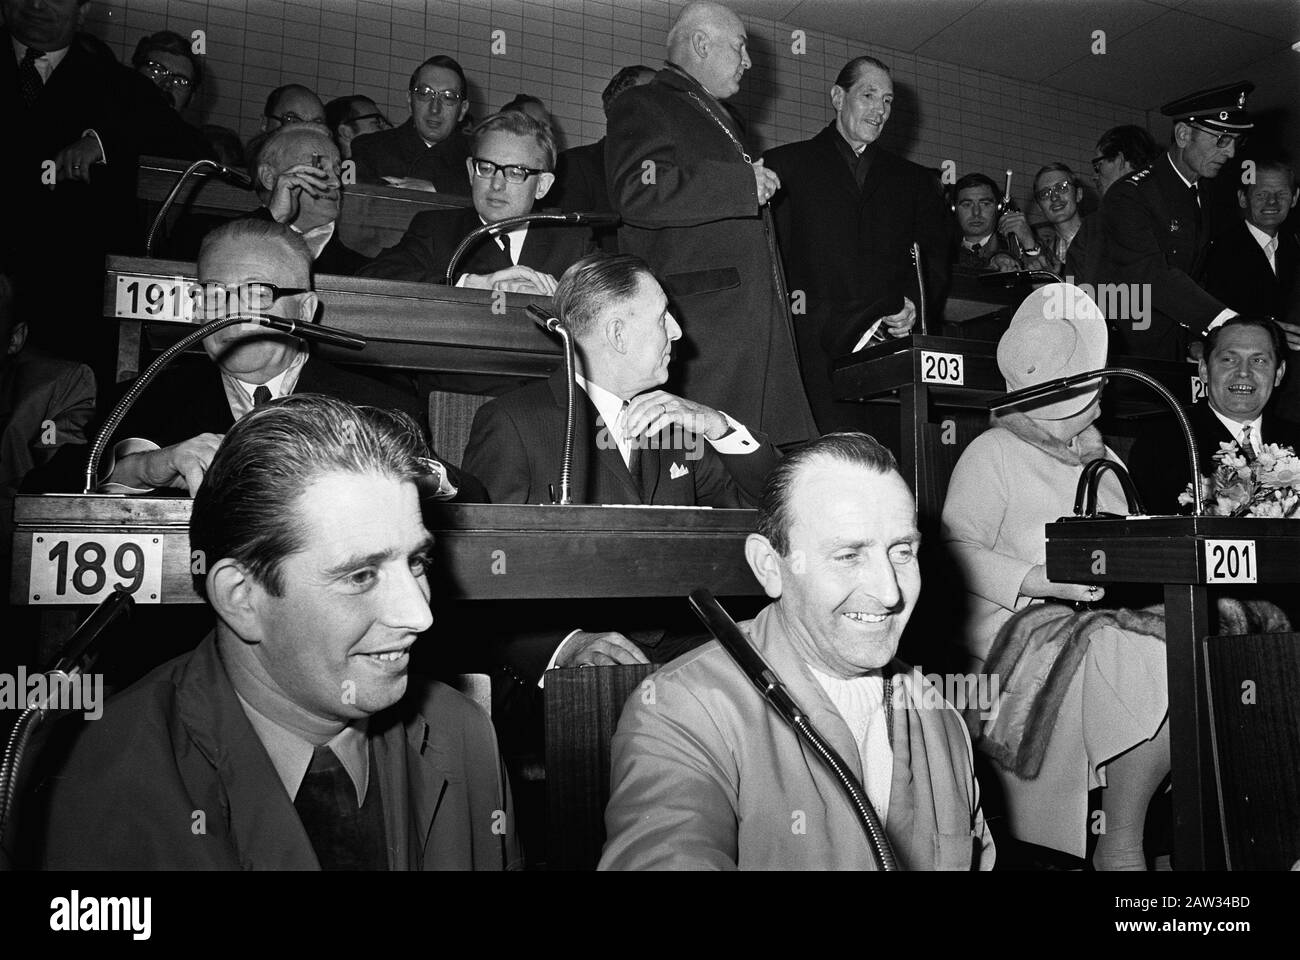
(261, 396)
(633, 455)
(504, 240)
(1270, 251)
(1196, 202)
(1247, 446)
(29, 78)
(342, 834)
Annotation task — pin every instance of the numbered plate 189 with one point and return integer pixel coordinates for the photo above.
(153, 298)
(84, 568)
(1231, 561)
(943, 368)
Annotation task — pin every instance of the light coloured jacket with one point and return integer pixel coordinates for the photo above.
(707, 776)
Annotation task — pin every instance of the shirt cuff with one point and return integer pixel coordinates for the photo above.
(122, 449)
(103, 154)
(550, 664)
(1224, 316)
(737, 439)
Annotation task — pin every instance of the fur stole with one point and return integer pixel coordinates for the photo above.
(1086, 447)
(1037, 653)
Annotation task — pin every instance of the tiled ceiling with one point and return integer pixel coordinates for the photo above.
(1156, 50)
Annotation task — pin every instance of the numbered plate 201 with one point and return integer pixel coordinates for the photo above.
(1231, 561)
(84, 568)
(947, 368)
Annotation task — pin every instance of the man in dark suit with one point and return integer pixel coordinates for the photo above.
(427, 152)
(695, 207)
(299, 183)
(1156, 227)
(1254, 267)
(293, 737)
(510, 170)
(78, 122)
(847, 214)
(580, 171)
(633, 443)
(1243, 361)
(173, 432)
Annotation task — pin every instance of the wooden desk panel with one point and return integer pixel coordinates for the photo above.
(484, 552)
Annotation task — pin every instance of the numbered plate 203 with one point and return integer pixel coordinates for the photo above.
(1231, 561)
(84, 568)
(947, 368)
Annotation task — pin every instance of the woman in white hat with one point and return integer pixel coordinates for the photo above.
(1082, 697)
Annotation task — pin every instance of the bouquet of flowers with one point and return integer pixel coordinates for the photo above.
(1268, 486)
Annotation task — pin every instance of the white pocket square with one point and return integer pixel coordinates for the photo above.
(677, 470)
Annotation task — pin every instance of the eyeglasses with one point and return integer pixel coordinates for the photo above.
(383, 120)
(160, 74)
(290, 117)
(1060, 191)
(424, 93)
(1098, 161)
(1221, 140)
(209, 301)
(513, 172)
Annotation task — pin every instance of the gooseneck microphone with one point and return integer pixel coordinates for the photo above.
(229, 173)
(1049, 387)
(595, 219)
(306, 331)
(556, 325)
(763, 677)
(920, 287)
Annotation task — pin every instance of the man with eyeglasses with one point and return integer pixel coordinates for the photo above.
(1122, 150)
(510, 171)
(169, 63)
(292, 103)
(1156, 227)
(298, 179)
(251, 267)
(1057, 194)
(427, 152)
(352, 117)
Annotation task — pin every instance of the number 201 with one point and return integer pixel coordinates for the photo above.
(1230, 563)
(88, 573)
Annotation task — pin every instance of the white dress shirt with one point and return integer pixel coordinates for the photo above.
(1269, 244)
(1235, 427)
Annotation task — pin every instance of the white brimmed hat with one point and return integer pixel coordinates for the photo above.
(1057, 331)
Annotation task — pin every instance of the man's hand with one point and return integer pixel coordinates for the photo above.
(1038, 586)
(766, 180)
(74, 161)
(1015, 222)
(1002, 262)
(292, 183)
(516, 279)
(599, 650)
(900, 324)
(1292, 332)
(411, 183)
(181, 465)
(650, 412)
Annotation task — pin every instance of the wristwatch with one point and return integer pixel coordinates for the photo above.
(1034, 251)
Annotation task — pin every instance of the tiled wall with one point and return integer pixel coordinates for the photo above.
(564, 51)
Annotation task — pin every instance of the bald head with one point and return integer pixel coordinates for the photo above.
(708, 42)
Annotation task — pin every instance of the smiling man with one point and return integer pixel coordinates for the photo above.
(1243, 363)
(846, 215)
(707, 776)
(1156, 228)
(294, 738)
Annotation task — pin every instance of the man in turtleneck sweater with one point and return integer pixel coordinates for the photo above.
(291, 738)
(706, 775)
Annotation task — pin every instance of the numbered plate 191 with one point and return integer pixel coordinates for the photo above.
(84, 568)
(153, 298)
(946, 368)
(1231, 561)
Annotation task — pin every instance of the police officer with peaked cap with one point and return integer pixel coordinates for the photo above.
(1156, 227)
